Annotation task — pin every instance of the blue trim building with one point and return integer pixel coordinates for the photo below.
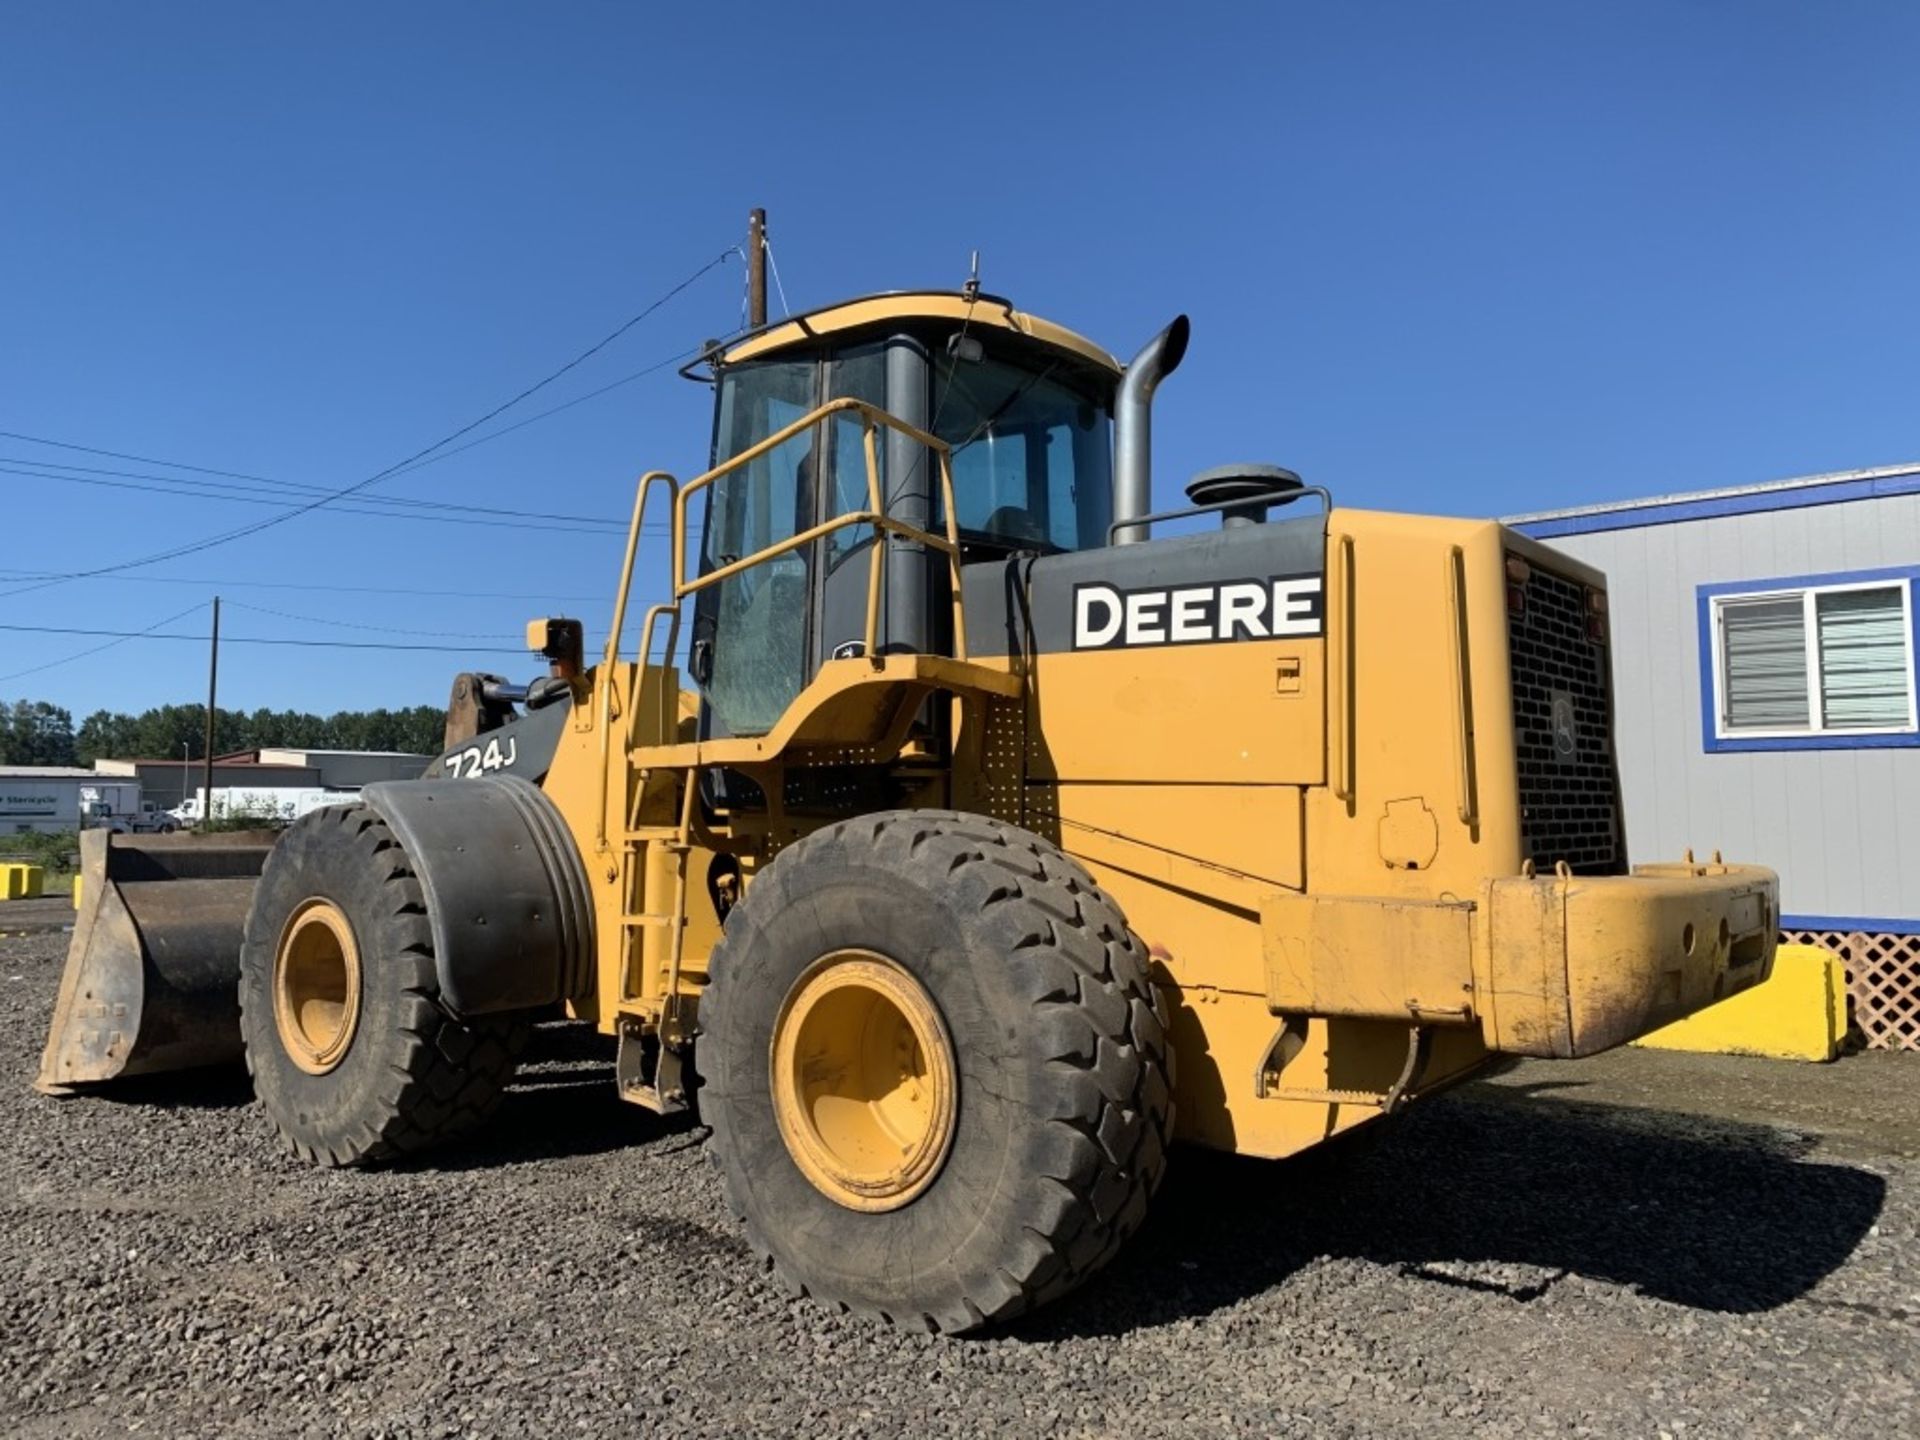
(1738, 728)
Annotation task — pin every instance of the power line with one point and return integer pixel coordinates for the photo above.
(356, 625)
(785, 309)
(613, 526)
(83, 654)
(277, 488)
(322, 587)
(209, 542)
(124, 455)
(587, 525)
(262, 640)
(641, 374)
(680, 358)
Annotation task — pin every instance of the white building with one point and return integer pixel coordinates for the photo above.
(49, 798)
(1763, 664)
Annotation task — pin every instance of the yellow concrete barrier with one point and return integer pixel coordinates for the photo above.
(21, 882)
(76, 892)
(1799, 1014)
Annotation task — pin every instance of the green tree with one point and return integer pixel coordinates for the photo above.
(160, 733)
(32, 732)
(422, 730)
(104, 735)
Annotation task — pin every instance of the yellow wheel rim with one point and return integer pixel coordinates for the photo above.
(863, 1081)
(316, 986)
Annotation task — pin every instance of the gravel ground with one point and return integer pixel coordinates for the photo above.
(1647, 1244)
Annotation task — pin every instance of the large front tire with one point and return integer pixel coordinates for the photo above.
(936, 1071)
(350, 1050)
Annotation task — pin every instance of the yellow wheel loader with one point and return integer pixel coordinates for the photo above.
(1004, 836)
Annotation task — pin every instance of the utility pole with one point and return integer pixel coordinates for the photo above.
(213, 683)
(756, 268)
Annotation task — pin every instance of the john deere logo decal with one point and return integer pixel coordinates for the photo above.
(1106, 617)
(1565, 737)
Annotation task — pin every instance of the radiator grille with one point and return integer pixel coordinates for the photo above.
(1569, 792)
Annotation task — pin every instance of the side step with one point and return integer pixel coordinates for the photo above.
(648, 1072)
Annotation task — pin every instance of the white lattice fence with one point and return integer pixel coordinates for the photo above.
(1883, 981)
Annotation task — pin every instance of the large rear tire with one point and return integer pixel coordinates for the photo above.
(936, 1071)
(350, 1050)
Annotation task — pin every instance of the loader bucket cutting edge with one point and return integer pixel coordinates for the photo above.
(152, 976)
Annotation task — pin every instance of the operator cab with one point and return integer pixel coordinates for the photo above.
(1027, 409)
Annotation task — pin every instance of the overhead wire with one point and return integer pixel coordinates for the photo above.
(681, 358)
(440, 450)
(225, 537)
(124, 455)
(581, 525)
(774, 265)
(613, 525)
(260, 640)
(121, 640)
(323, 587)
(358, 625)
(264, 485)
(678, 358)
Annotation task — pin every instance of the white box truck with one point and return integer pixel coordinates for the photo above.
(111, 807)
(271, 807)
(51, 798)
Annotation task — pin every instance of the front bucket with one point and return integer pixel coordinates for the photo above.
(152, 977)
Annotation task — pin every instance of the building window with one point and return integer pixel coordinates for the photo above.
(1827, 661)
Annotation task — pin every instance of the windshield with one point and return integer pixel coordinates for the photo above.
(1032, 465)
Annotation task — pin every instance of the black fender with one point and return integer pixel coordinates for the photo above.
(506, 893)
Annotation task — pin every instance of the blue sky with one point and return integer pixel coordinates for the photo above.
(1473, 258)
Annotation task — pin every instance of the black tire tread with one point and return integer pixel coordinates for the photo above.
(1085, 974)
(454, 1071)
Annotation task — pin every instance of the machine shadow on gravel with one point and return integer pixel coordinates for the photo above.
(561, 1103)
(226, 1088)
(1710, 1214)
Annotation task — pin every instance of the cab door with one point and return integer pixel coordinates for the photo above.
(761, 635)
(752, 632)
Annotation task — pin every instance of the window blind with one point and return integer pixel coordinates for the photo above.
(1764, 652)
(1863, 658)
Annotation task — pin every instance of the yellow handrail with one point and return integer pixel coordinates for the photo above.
(872, 417)
(603, 697)
(647, 482)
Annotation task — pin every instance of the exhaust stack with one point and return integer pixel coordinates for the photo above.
(1133, 427)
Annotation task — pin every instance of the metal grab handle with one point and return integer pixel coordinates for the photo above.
(1340, 652)
(1462, 666)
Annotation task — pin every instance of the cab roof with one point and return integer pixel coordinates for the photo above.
(870, 311)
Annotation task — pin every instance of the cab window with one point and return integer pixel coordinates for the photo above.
(1032, 463)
